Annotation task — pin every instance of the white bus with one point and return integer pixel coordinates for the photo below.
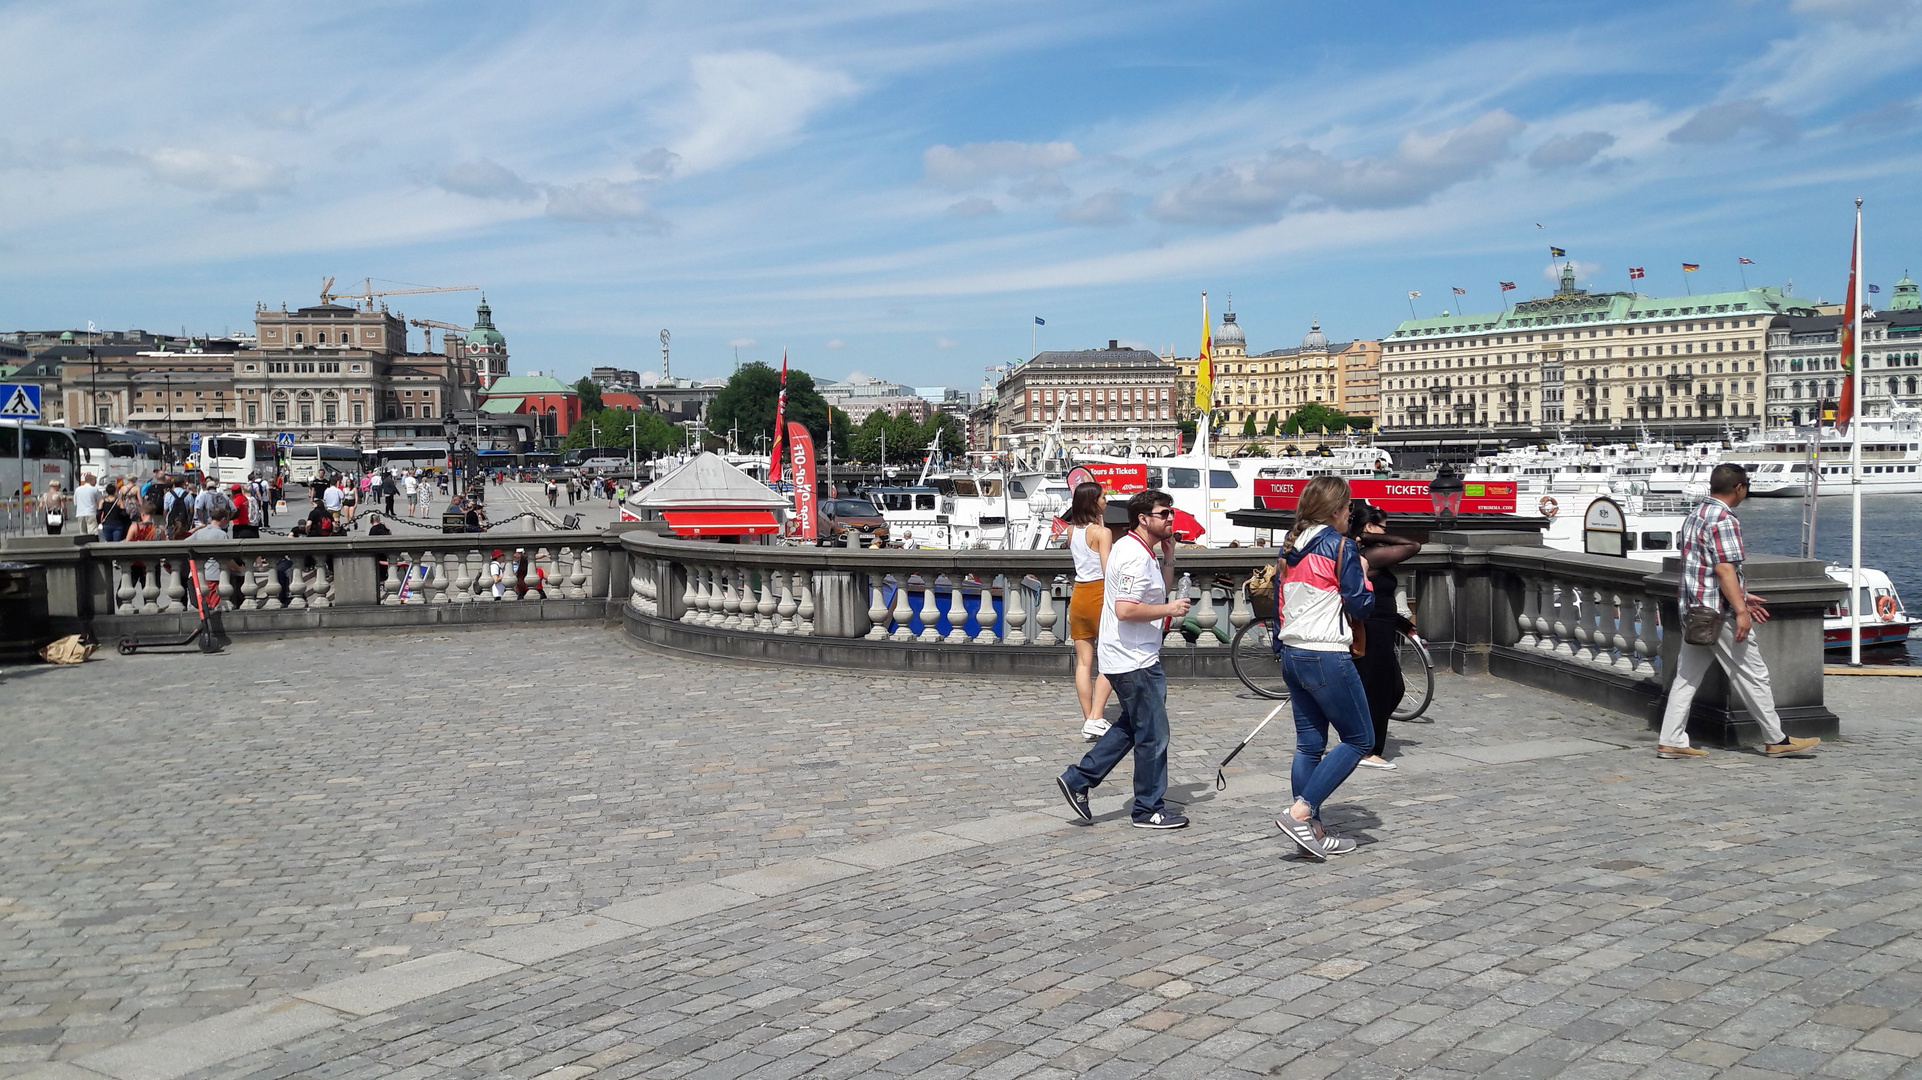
(50, 454)
(231, 458)
(118, 453)
(305, 461)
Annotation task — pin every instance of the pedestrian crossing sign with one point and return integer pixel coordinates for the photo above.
(19, 401)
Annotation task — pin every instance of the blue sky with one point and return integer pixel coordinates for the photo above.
(899, 188)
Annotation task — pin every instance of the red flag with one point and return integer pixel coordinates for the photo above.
(1507, 286)
(1746, 262)
(1634, 271)
(780, 410)
(801, 457)
(1845, 410)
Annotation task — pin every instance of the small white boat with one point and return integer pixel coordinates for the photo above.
(1884, 620)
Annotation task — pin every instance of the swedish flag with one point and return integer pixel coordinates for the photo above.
(1556, 253)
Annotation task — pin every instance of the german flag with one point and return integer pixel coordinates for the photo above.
(1690, 268)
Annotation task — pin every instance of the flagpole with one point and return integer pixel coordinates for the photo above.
(1744, 273)
(1855, 451)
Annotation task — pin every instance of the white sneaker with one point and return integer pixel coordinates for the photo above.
(1368, 763)
(1095, 728)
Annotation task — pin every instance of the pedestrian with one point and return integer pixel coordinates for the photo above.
(220, 513)
(179, 511)
(1380, 665)
(553, 493)
(1088, 542)
(350, 496)
(411, 484)
(1324, 585)
(573, 489)
(497, 574)
(615, 492)
(86, 504)
(53, 508)
(204, 495)
(389, 487)
(122, 510)
(1713, 587)
(245, 514)
(1134, 605)
(521, 573)
(332, 497)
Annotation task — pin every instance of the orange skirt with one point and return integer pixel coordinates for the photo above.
(1084, 611)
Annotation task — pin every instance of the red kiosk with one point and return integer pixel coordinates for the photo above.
(708, 499)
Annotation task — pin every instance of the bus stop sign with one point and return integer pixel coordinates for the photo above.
(19, 401)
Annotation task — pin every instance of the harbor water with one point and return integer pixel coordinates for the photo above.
(1891, 543)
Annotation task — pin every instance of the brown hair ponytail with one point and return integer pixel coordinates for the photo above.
(1325, 497)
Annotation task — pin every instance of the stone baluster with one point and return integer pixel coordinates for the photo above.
(320, 591)
(957, 611)
(1045, 615)
(1561, 619)
(764, 620)
(804, 609)
(1014, 609)
(706, 596)
(554, 585)
(390, 579)
(930, 611)
(1578, 616)
(787, 601)
(1528, 634)
(1171, 638)
(177, 578)
(297, 583)
(1206, 617)
(578, 576)
(463, 589)
(984, 614)
(1642, 648)
(124, 592)
(436, 584)
(1621, 631)
(739, 600)
(690, 594)
(150, 589)
(903, 614)
(249, 584)
(1241, 610)
(877, 609)
(1602, 632)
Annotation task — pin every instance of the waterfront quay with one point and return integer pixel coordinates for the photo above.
(548, 852)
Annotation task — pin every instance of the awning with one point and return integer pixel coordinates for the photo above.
(721, 522)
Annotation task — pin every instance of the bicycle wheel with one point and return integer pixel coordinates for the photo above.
(1256, 665)
(1417, 677)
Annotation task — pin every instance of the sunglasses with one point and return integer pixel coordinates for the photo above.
(1165, 515)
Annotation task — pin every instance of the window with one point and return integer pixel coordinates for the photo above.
(297, 337)
(1184, 479)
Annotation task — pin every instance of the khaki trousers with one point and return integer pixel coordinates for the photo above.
(1747, 674)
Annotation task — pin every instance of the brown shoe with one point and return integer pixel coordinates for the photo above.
(1674, 752)
(1790, 746)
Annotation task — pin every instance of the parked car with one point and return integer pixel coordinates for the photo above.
(840, 518)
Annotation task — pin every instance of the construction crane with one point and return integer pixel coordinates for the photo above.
(368, 292)
(436, 324)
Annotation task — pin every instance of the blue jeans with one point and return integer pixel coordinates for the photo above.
(1325, 690)
(1144, 726)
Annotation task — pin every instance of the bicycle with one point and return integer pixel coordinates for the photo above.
(1258, 666)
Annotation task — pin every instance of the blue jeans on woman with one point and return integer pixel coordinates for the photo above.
(1326, 691)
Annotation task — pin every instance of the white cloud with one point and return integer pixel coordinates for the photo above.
(972, 164)
(1724, 121)
(836, 343)
(747, 103)
(946, 343)
(484, 179)
(1584, 270)
(1102, 208)
(1296, 176)
(1044, 186)
(597, 200)
(294, 118)
(1564, 151)
(973, 206)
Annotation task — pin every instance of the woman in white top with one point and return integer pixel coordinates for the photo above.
(1088, 541)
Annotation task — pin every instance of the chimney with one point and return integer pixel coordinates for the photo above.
(1114, 343)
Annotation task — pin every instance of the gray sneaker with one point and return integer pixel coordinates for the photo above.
(1337, 845)
(1303, 834)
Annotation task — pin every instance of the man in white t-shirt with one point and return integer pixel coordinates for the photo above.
(1134, 605)
(411, 485)
(86, 504)
(332, 497)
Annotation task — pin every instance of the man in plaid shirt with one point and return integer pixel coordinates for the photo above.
(1712, 557)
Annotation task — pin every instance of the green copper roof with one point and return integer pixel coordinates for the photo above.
(528, 384)
(483, 332)
(1579, 308)
(1906, 298)
(501, 404)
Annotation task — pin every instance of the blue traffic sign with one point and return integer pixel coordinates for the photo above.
(193, 443)
(19, 401)
(284, 438)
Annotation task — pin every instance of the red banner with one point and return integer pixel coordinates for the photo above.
(1115, 478)
(801, 472)
(1394, 496)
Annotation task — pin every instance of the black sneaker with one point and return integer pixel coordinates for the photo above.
(1077, 800)
(1162, 819)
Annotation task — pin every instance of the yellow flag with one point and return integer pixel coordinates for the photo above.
(1205, 363)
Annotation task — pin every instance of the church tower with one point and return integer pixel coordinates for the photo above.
(486, 347)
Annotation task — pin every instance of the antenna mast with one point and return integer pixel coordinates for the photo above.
(664, 374)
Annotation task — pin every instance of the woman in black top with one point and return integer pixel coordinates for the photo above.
(1379, 668)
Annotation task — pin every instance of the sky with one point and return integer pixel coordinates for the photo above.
(901, 189)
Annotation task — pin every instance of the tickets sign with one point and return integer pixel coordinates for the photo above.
(1115, 478)
(1394, 496)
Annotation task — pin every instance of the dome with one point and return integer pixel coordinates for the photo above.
(1230, 332)
(1316, 341)
(483, 335)
(66, 335)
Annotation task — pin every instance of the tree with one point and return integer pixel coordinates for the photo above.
(1316, 417)
(1248, 426)
(953, 439)
(748, 400)
(1274, 425)
(590, 395)
(621, 428)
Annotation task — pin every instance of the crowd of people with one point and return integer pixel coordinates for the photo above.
(1339, 625)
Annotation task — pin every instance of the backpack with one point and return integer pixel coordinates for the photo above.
(180, 516)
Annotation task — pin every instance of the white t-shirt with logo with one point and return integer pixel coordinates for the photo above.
(1133, 574)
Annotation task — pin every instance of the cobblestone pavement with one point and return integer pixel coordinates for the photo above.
(1536, 894)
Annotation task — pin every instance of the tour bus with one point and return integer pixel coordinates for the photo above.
(232, 458)
(305, 461)
(50, 454)
(118, 453)
(596, 459)
(422, 455)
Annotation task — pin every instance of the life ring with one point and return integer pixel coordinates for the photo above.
(1547, 506)
(1885, 607)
